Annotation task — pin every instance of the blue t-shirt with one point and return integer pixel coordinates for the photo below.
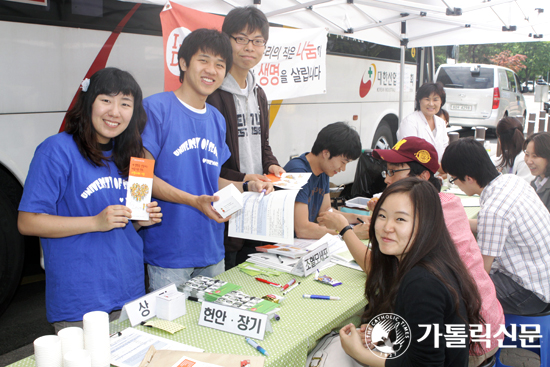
(96, 271)
(314, 191)
(190, 150)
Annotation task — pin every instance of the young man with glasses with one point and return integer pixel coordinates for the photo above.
(244, 106)
(513, 227)
(415, 157)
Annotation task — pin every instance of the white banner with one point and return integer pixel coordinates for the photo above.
(294, 63)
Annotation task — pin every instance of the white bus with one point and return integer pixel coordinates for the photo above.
(48, 46)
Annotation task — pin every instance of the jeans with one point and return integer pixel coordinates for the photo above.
(160, 277)
(514, 298)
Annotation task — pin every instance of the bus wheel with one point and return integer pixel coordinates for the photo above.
(383, 137)
(12, 248)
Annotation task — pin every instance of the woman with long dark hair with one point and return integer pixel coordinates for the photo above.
(510, 135)
(73, 200)
(414, 272)
(537, 156)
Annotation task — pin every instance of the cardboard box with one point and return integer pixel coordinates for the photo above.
(170, 305)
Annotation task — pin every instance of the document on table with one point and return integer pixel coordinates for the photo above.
(129, 348)
(268, 218)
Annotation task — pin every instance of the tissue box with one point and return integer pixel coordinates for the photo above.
(170, 305)
(231, 200)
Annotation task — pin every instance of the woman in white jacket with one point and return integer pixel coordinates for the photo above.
(510, 136)
(423, 122)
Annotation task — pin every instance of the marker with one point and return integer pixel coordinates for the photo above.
(280, 260)
(267, 282)
(291, 288)
(292, 281)
(256, 346)
(360, 220)
(261, 196)
(315, 296)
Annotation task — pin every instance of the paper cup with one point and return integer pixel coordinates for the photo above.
(77, 358)
(47, 351)
(72, 338)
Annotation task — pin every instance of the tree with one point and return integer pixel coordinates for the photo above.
(506, 59)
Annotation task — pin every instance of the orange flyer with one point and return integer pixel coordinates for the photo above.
(140, 187)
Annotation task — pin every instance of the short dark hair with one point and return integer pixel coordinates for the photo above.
(426, 90)
(248, 17)
(468, 157)
(109, 81)
(443, 114)
(417, 169)
(542, 148)
(339, 138)
(205, 40)
(510, 135)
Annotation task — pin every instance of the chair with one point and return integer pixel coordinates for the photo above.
(489, 362)
(541, 346)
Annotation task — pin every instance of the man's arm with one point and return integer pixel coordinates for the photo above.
(306, 229)
(488, 262)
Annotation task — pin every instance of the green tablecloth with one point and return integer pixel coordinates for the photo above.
(303, 321)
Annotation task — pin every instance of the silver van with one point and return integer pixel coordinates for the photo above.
(481, 95)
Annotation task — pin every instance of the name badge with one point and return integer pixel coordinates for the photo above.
(234, 320)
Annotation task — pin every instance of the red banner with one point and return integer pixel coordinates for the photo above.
(177, 22)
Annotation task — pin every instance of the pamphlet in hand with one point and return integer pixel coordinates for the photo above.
(140, 186)
(290, 180)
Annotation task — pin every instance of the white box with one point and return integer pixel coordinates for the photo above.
(358, 202)
(170, 305)
(231, 200)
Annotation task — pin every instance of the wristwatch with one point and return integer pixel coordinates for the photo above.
(245, 186)
(344, 230)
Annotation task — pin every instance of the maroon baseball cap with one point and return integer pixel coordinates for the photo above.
(410, 149)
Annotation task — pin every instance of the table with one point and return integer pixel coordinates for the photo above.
(303, 321)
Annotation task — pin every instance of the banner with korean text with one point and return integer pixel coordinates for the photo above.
(293, 65)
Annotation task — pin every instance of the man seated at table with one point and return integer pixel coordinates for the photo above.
(336, 145)
(513, 227)
(416, 157)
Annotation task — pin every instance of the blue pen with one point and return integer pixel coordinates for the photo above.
(315, 296)
(257, 346)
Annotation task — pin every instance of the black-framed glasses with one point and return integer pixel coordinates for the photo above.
(452, 180)
(391, 172)
(244, 41)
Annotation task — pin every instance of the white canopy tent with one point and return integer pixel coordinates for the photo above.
(403, 23)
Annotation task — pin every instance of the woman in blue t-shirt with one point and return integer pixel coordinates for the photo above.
(73, 200)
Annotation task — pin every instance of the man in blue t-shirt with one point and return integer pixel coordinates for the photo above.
(186, 137)
(336, 145)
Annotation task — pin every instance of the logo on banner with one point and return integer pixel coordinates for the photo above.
(389, 334)
(173, 44)
(365, 87)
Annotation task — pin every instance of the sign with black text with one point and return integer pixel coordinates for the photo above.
(234, 320)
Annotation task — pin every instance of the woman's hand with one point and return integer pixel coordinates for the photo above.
(332, 220)
(155, 216)
(259, 186)
(113, 216)
(276, 170)
(351, 341)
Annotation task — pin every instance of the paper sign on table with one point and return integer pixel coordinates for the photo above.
(144, 307)
(234, 320)
(140, 186)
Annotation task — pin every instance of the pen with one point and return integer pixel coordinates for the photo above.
(360, 220)
(292, 281)
(280, 260)
(267, 282)
(261, 196)
(256, 346)
(291, 288)
(315, 296)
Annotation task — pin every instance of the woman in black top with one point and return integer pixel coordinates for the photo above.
(413, 271)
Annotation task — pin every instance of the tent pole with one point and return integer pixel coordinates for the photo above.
(401, 81)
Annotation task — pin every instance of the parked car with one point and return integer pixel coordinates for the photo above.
(530, 86)
(481, 95)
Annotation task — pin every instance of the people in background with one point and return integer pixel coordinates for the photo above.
(537, 155)
(444, 115)
(510, 135)
(415, 157)
(424, 122)
(414, 272)
(244, 106)
(74, 201)
(336, 145)
(186, 136)
(513, 227)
